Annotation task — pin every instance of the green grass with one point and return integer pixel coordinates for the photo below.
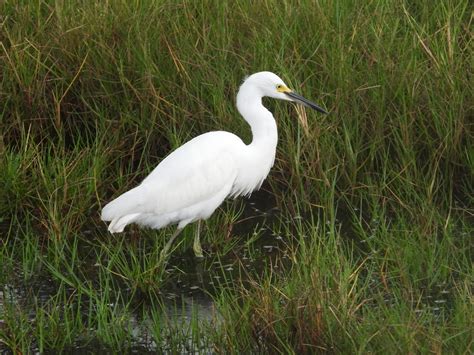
(373, 202)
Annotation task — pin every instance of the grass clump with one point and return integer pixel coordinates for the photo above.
(337, 298)
(364, 244)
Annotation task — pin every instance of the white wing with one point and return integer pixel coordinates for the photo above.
(189, 184)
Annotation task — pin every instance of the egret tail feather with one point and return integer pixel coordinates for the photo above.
(118, 224)
(123, 205)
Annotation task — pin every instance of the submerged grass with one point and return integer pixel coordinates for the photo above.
(370, 223)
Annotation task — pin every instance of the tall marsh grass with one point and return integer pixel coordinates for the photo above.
(375, 200)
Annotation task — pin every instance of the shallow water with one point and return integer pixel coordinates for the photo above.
(186, 295)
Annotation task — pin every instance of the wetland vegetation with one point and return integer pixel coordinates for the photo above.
(360, 240)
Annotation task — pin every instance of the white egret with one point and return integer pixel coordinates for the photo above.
(192, 181)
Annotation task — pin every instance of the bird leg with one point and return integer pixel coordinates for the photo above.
(166, 248)
(197, 243)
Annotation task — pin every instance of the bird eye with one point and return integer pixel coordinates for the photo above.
(281, 88)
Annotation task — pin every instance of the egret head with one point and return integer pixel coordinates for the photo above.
(272, 85)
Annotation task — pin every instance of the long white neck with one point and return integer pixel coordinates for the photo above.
(259, 156)
(261, 121)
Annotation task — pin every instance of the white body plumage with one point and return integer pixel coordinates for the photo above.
(191, 182)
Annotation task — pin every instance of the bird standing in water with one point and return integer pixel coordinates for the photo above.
(192, 181)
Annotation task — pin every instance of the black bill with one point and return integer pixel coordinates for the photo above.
(305, 102)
